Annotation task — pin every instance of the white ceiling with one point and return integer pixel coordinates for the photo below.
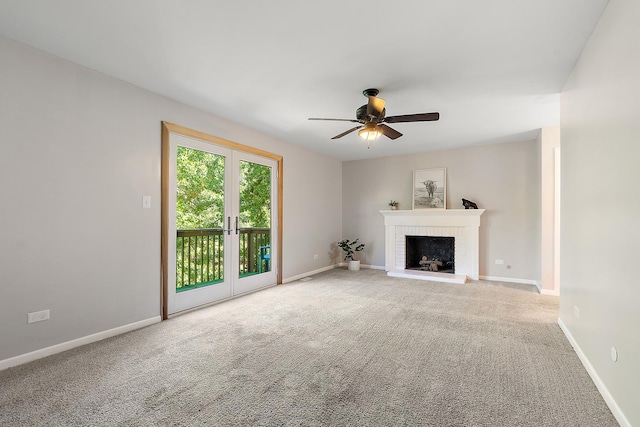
(492, 68)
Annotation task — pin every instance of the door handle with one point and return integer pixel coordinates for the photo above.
(236, 225)
(228, 229)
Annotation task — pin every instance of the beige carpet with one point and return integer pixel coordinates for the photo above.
(343, 349)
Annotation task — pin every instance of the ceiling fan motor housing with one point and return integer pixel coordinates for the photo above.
(361, 114)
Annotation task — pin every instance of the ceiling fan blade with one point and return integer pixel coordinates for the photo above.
(422, 117)
(375, 107)
(336, 120)
(389, 132)
(347, 132)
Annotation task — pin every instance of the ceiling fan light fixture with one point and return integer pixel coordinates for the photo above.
(370, 132)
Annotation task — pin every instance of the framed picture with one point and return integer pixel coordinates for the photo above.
(430, 188)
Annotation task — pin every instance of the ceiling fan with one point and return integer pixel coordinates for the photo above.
(372, 119)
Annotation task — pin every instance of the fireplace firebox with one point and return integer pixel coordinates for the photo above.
(430, 253)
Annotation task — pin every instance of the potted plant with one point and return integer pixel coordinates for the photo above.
(350, 248)
(394, 205)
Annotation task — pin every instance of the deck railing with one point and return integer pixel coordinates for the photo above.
(200, 255)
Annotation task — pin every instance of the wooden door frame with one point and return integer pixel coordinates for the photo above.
(167, 130)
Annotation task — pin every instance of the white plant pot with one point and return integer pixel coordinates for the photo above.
(354, 265)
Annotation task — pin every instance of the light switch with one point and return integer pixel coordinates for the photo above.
(146, 202)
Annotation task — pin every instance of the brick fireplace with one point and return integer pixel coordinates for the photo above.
(461, 224)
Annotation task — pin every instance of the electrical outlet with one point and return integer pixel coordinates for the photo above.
(37, 316)
(499, 261)
(315, 256)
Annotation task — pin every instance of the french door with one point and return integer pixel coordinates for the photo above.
(221, 222)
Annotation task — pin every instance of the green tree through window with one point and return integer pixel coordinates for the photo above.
(200, 189)
(255, 195)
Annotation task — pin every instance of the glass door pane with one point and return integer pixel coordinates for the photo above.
(199, 219)
(255, 197)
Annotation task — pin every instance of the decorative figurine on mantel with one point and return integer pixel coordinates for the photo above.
(468, 204)
(393, 205)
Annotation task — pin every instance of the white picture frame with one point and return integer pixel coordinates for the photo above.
(430, 188)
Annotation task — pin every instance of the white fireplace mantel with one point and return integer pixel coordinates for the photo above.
(462, 224)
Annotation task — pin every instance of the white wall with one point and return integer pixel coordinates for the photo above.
(501, 178)
(79, 150)
(600, 237)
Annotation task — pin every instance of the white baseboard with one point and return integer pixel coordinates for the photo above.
(551, 292)
(58, 348)
(371, 267)
(510, 280)
(602, 388)
(309, 273)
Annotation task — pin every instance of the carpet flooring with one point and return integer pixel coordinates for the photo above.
(343, 349)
